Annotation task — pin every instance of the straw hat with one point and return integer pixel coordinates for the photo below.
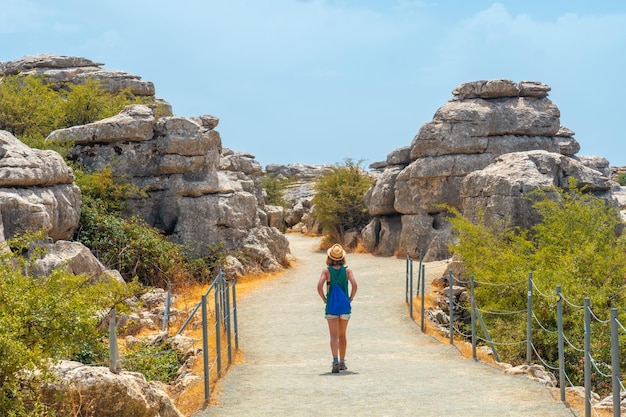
(336, 252)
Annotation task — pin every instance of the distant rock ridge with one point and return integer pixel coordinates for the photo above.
(59, 69)
(461, 155)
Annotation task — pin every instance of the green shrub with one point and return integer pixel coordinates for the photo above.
(126, 242)
(158, 362)
(275, 189)
(577, 245)
(340, 200)
(31, 109)
(621, 179)
(46, 319)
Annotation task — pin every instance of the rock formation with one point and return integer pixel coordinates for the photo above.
(95, 389)
(482, 122)
(195, 192)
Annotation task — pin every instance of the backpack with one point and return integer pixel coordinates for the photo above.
(338, 301)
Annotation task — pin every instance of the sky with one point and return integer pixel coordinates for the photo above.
(322, 81)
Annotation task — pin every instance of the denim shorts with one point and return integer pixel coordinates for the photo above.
(342, 317)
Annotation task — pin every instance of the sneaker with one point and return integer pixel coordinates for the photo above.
(335, 368)
(342, 366)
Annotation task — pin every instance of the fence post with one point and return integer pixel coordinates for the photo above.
(218, 331)
(423, 268)
(228, 329)
(406, 279)
(451, 307)
(411, 288)
(114, 353)
(419, 273)
(587, 358)
(168, 300)
(205, 348)
(529, 320)
(473, 316)
(615, 368)
(561, 338)
(235, 313)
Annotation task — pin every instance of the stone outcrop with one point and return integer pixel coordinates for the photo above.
(195, 191)
(483, 121)
(98, 391)
(37, 191)
(60, 69)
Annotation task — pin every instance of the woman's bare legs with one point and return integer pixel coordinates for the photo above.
(338, 341)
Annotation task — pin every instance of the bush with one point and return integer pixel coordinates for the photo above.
(46, 319)
(621, 179)
(125, 242)
(275, 189)
(158, 362)
(578, 245)
(31, 109)
(340, 200)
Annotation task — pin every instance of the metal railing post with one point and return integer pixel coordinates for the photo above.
(473, 316)
(423, 291)
(529, 320)
(420, 277)
(410, 292)
(166, 313)
(561, 338)
(235, 313)
(228, 329)
(218, 338)
(114, 353)
(615, 367)
(205, 349)
(406, 279)
(451, 307)
(587, 358)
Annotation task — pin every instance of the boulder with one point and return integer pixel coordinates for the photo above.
(98, 391)
(36, 191)
(500, 191)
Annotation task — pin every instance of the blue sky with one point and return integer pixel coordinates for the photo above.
(319, 81)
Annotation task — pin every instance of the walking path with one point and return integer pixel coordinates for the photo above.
(393, 369)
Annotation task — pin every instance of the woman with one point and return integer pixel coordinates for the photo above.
(337, 273)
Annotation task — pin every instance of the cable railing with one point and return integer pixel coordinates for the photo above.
(552, 308)
(218, 311)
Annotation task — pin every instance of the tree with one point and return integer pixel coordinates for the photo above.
(339, 201)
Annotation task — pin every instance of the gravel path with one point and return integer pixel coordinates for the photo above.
(394, 369)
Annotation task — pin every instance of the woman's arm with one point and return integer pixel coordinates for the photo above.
(353, 284)
(324, 276)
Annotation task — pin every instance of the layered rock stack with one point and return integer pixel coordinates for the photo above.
(193, 193)
(450, 163)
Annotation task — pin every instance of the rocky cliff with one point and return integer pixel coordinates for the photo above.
(486, 148)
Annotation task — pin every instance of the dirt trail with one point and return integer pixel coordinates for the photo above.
(394, 369)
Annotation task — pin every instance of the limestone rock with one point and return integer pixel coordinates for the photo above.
(36, 191)
(60, 69)
(106, 394)
(74, 257)
(195, 191)
(499, 190)
(483, 121)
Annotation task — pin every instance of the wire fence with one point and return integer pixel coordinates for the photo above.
(595, 369)
(218, 319)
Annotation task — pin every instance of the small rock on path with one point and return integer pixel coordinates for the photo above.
(393, 369)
